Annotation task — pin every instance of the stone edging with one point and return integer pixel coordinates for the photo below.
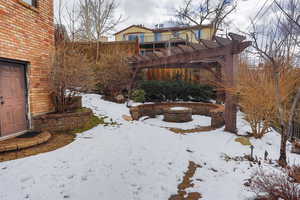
(215, 111)
(179, 116)
(22, 143)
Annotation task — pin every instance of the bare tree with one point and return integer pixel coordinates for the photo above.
(97, 17)
(67, 19)
(71, 74)
(291, 10)
(274, 42)
(199, 12)
(72, 70)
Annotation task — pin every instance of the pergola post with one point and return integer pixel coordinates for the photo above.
(230, 73)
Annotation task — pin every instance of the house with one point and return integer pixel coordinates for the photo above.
(152, 40)
(26, 42)
(158, 38)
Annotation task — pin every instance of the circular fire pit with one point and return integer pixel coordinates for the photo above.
(178, 114)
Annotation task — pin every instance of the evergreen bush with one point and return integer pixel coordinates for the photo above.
(138, 95)
(178, 90)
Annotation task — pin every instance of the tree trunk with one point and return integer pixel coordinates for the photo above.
(282, 158)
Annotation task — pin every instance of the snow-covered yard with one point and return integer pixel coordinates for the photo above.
(135, 161)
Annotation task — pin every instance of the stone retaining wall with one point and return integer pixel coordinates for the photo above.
(215, 111)
(62, 122)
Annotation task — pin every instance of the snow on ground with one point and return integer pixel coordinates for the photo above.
(198, 120)
(179, 108)
(134, 161)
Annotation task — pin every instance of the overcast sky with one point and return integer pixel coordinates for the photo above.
(151, 12)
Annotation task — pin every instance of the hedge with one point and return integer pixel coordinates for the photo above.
(176, 91)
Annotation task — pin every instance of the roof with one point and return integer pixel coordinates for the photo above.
(159, 30)
(139, 26)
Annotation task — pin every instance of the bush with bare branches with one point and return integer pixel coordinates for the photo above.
(113, 73)
(276, 41)
(71, 73)
(294, 173)
(256, 93)
(274, 186)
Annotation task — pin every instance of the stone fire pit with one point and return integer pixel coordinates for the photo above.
(178, 114)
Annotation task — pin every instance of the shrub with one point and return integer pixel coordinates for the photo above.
(138, 95)
(274, 185)
(176, 91)
(113, 74)
(294, 173)
(256, 92)
(71, 73)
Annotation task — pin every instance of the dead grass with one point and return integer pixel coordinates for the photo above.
(57, 141)
(187, 183)
(244, 141)
(194, 130)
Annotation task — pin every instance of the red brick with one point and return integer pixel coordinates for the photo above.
(27, 34)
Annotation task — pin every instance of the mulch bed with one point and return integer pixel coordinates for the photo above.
(56, 141)
(25, 141)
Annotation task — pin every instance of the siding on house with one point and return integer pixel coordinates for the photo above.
(134, 30)
(27, 34)
(149, 34)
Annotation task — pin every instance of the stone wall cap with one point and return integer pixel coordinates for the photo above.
(62, 115)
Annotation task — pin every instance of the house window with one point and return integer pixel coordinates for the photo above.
(31, 2)
(140, 36)
(157, 37)
(132, 37)
(197, 34)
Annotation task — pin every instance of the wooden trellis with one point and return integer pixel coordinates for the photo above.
(208, 53)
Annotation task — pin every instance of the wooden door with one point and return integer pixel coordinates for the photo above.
(12, 99)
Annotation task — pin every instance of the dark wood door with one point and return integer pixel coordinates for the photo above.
(12, 99)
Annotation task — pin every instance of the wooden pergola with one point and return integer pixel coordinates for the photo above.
(221, 52)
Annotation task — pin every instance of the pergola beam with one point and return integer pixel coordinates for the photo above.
(222, 41)
(237, 37)
(186, 57)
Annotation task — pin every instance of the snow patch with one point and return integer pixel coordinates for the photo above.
(179, 108)
(136, 161)
(198, 120)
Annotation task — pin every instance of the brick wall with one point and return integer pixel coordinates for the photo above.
(27, 34)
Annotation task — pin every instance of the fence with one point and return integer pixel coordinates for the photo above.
(190, 75)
